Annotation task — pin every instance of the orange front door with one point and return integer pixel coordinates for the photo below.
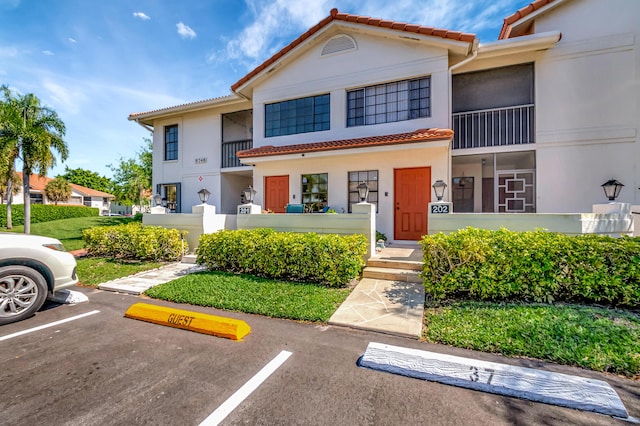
(276, 193)
(412, 189)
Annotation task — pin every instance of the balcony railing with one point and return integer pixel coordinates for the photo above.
(229, 150)
(494, 127)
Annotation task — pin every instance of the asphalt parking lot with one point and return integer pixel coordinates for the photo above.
(105, 369)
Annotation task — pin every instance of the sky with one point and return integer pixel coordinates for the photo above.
(97, 61)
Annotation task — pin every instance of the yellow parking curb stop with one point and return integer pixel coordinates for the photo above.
(194, 321)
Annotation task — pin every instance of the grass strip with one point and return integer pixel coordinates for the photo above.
(246, 293)
(92, 271)
(599, 339)
(69, 231)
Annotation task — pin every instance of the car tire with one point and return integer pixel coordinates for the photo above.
(23, 291)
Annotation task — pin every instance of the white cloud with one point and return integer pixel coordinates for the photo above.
(185, 31)
(272, 19)
(141, 15)
(72, 40)
(47, 53)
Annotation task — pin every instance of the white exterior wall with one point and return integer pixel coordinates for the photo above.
(587, 100)
(337, 167)
(199, 137)
(376, 60)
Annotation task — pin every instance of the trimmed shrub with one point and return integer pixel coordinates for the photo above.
(329, 259)
(136, 242)
(532, 266)
(44, 213)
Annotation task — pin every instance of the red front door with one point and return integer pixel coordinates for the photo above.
(276, 190)
(412, 189)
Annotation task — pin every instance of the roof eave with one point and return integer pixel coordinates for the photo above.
(521, 44)
(511, 30)
(148, 117)
(431, 143)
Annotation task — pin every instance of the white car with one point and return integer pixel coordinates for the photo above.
(31, 267)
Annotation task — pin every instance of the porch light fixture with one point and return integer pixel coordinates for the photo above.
(438, 187)
(612, 189)
(249, 194)
(157, 199)
(363, 191)
(204, 195)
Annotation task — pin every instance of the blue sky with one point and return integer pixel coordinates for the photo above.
(95, 62)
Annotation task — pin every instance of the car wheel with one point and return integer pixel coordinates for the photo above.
(23, 291)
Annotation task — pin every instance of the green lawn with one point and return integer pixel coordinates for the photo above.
(96, 270)
(246, 293)
(599, 339)
(91, 270)
(69, 231)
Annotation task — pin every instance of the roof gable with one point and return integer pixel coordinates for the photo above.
(510, 27)
(38, 183)
(358, 20)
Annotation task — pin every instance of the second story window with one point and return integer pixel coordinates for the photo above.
(171, 142)
(302, 115)
(389, 102)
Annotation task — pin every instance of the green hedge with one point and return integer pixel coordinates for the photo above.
(44, 213)
(532, 266)
(136, 242)
(332, 260)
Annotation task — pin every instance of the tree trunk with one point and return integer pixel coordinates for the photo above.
(27, 201)
(9, 201)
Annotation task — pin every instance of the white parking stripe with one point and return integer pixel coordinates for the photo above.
(241, 394)
(41, 327)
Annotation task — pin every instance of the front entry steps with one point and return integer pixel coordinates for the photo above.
(393, 270)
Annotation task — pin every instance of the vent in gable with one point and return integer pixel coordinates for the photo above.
(339, 43)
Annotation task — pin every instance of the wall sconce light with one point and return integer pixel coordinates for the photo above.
(157, 199)
(363, 191)
(204, 195)
(612, 189)
(438, 188)
(249, 194)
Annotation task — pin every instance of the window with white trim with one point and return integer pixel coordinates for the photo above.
(389, 102)
(371, 178)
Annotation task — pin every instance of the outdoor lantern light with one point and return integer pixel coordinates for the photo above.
(249, 194)
(158, 199)
(612, 189)
(363, 191)
(438, 187)
(204, 195)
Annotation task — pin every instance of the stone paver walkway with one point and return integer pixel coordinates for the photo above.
(392, 307)
(138, 283)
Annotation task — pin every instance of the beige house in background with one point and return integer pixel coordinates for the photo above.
(534, 122)
(80, 195)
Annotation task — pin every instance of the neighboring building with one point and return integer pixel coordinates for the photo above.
(533, 122)
(80, 195)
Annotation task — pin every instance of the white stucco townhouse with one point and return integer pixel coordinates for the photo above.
(533, 122)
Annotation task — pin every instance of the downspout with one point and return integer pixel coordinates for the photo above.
(474, 54)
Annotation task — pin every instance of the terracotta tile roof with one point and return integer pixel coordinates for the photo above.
(509, 20)
(133, 115)
(364, 20)
(38, 183)
(422, 135)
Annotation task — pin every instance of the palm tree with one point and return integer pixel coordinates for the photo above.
(29, 132)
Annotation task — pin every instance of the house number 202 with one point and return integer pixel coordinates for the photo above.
(439, 208)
